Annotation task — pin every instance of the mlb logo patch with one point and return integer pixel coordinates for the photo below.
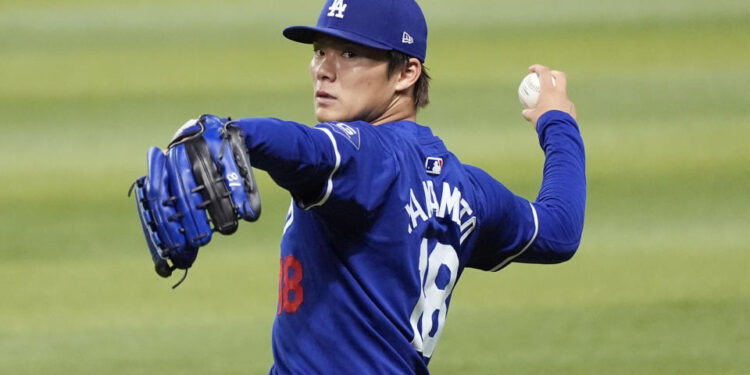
(433, 165)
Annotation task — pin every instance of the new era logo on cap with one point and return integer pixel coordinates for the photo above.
(407, 39)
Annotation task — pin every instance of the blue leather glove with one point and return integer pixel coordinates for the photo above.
(204, 178)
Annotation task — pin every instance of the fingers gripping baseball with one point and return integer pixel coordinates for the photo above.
(553, 94)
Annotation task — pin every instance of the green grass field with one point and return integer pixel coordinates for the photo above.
(659, 286)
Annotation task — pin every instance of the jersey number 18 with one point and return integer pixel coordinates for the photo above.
(431, 307)
(291, 293)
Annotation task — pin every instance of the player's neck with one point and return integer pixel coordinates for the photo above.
(401, 108)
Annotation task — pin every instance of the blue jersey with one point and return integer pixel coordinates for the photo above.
(383, 221)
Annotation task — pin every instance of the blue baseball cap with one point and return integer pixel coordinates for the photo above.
(383, 24)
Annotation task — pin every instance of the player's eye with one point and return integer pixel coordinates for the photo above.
(348, 54)
(318, 52)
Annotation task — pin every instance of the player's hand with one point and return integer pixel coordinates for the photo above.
(551, 96)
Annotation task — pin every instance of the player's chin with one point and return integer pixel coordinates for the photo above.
(327, 114)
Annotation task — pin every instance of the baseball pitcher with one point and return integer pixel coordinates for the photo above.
(383, 218)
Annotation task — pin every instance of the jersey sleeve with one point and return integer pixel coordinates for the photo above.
(328, 162)
(508, 224)
(549, 229)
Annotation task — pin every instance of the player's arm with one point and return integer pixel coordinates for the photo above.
(560, 206)
(561, 202)
(297, 157)
(318, 164)
(549, 229)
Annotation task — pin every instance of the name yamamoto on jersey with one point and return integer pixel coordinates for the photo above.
(450, 205)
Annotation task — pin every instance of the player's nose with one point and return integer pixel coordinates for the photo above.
(324, 68)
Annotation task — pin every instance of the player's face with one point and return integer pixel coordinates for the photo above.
(350, 82)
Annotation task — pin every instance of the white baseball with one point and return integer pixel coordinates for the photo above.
(528, 90)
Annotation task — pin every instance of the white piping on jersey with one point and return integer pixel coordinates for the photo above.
(329, 187)
(289, 217)
(536, 231)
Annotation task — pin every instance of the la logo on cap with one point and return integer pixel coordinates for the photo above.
(337, 9)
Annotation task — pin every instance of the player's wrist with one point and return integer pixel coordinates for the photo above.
(551, 118)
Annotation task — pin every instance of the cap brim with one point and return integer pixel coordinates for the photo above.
(306, 34)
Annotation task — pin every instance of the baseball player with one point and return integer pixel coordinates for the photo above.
(384, 219)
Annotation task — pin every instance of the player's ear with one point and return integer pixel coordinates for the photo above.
(408, 74)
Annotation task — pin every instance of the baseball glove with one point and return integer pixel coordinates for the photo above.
(203, 183)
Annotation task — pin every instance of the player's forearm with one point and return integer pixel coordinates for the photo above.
(296, 156)
(561, 202)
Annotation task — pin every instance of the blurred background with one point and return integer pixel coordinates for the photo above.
(659, 285)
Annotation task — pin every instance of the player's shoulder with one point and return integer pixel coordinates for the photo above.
(355, 134)
(389, 138)
(475, 172)
(478, 178)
